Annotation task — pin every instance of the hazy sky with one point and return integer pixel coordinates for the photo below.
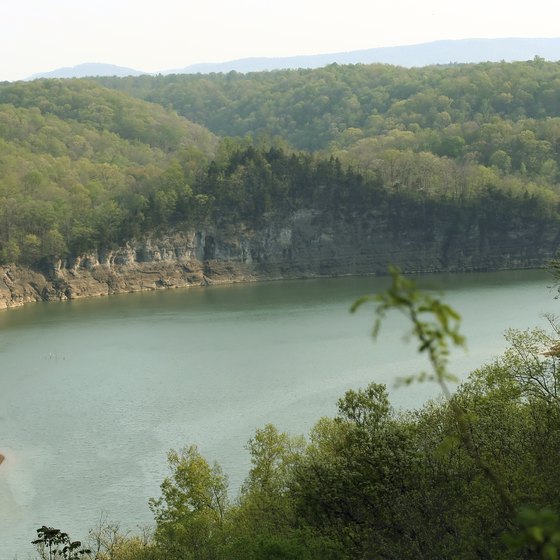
(150, 35)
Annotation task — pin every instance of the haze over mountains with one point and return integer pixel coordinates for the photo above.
(424, 54)
(88, 69)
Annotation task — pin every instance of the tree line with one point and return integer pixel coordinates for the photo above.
(85, 168)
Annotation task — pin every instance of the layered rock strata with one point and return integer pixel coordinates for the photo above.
(306, 245)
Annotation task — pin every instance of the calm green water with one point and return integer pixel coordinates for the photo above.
(94, 393)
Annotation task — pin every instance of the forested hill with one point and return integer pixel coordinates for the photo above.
(92, 107)
(78, 163)
(336, 106)
(453, 155)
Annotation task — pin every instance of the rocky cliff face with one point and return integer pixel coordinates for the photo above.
(308, 244)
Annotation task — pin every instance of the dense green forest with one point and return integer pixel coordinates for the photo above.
(502, 115)
(437, 131)
(83, 167)
(80, 163)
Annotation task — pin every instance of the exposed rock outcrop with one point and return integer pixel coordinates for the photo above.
(308, 244)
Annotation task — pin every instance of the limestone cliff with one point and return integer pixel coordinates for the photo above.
(307, 244)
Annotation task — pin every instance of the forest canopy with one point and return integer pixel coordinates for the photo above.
(85, 167)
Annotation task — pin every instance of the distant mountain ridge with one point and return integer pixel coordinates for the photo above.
(424, 54)
(88, 69)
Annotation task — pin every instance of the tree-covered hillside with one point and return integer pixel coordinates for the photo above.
(334, 107)
(437, 130)
(85, 167)
(79, 164)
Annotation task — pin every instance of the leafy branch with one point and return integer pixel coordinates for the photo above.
(436, 327)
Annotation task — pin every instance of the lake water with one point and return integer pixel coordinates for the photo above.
(93, 393)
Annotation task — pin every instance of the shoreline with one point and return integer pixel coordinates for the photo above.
(304, 244)
(20, 286)
(298, 250)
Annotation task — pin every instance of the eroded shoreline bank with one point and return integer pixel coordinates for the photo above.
(297, 249)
